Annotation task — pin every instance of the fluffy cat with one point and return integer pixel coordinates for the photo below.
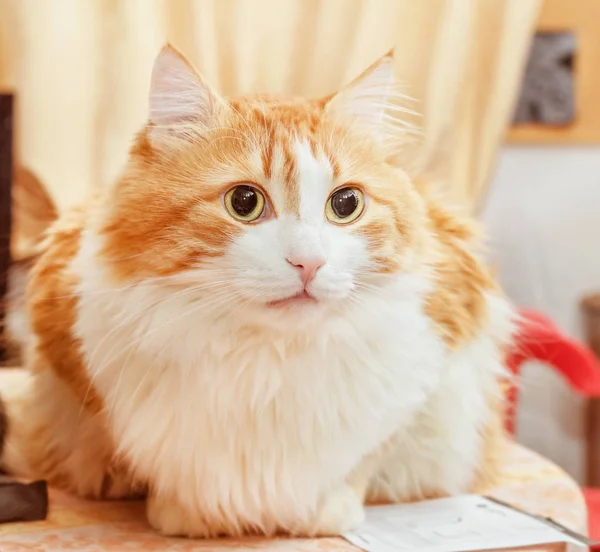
(33, 212)
(264, 324)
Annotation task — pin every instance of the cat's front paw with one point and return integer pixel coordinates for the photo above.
(170, 519)
(341, 511)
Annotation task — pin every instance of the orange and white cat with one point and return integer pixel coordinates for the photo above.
(263, 324)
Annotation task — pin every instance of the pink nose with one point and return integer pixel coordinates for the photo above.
(308, 267)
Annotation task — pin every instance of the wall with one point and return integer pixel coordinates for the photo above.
(543, 218)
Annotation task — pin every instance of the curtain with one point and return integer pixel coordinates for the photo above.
(81, 68)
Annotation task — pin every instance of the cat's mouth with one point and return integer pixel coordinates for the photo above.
(302, 297)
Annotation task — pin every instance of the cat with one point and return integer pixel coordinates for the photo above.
(264, 324)
(33, 212)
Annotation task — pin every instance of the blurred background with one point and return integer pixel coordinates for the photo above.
(505, 90)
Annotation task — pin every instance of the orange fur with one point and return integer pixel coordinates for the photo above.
(458, 304)
(87, 465)
(33, 212)
(183, 192)
(53, 303)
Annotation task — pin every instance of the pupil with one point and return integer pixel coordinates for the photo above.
(244, 200)
(344, 203)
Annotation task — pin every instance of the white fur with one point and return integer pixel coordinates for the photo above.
(244, 415)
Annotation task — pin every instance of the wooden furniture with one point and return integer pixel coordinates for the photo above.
(6, 177)
(590, 307)
(527, 481)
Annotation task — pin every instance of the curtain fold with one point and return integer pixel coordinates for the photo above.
(81, 70)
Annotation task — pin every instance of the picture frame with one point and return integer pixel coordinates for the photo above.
(579, 18)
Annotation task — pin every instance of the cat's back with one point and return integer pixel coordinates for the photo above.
(52, 301)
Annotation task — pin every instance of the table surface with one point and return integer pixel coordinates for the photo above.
(528, 481)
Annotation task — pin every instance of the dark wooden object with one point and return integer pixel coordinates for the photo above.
(591, 317)
(6, 176)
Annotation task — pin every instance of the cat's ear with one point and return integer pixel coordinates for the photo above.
(372, 101)
(180, 102)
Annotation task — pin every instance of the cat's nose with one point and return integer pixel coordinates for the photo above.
(308, 267)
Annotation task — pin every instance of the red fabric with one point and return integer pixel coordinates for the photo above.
(592, 500)
(539, 339)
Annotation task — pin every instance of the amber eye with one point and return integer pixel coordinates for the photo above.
(345, 205)
(245, 203)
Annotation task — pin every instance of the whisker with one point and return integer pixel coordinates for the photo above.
(159, 301)
(195, 307)
(255, 138)
(131, 319)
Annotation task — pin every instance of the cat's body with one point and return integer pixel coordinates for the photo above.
(265, 376)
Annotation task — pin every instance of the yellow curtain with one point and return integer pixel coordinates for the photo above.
(81, 68)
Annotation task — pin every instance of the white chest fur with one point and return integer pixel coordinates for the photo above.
(252, 419)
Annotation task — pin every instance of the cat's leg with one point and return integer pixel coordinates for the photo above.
(50, 436)
(172, 519)
(339, 511)
(452, 448)
(342, 508)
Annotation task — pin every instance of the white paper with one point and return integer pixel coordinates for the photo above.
(457, 524)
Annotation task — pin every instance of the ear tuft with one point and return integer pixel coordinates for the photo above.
(179, 97)
(373, 101)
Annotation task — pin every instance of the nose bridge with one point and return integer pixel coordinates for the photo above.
(304, 241)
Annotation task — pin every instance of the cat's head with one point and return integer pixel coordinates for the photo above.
(272, 202)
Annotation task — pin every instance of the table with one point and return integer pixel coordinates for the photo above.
(528, 481)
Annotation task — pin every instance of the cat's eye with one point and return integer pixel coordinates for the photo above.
(345, 205)
(245, 203)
